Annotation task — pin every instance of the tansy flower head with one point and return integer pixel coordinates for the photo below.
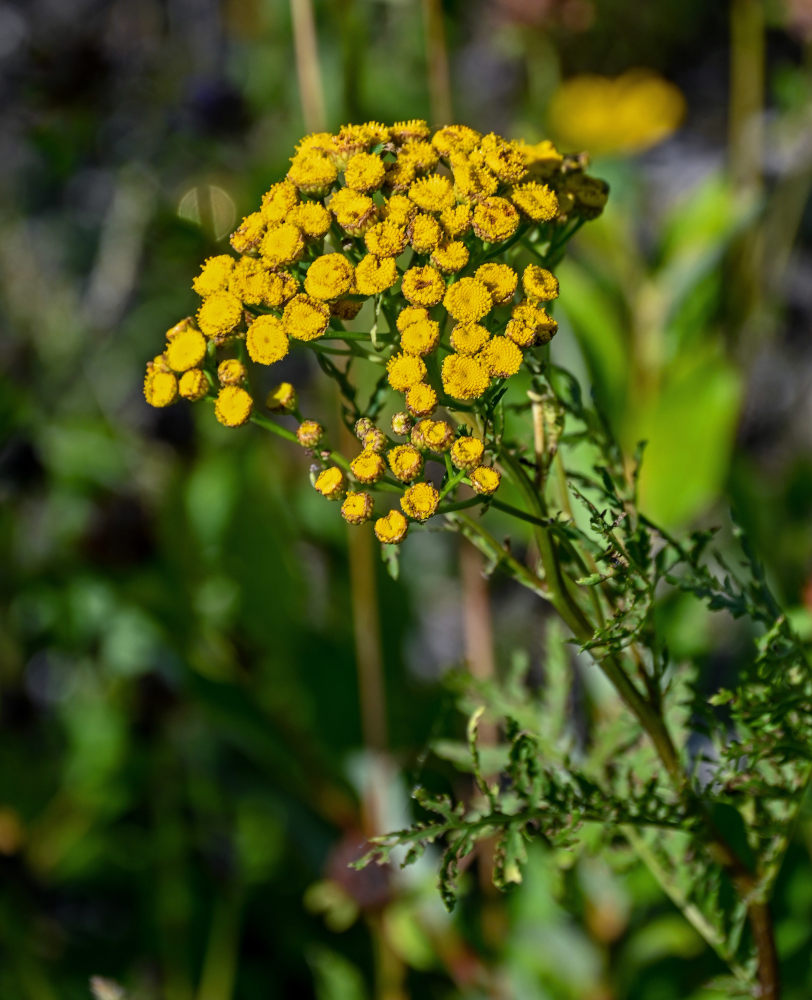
(315, 142)
(367, 467)
(499, 279)
(539, 283)
(433, 193)
(456, 221)
(420, 338)
(409, 315)
(280, 287)
(391, 529)
(214, 275)
(362, 427)
(309, 433)
(219, 315)
(495, 220)
(249, 281)
(249, 232)
(537, 201)
(420, 501)
(414, 128)
(404, 371)
(329, 276)
(282, 399)
(405, 461)
(386, 239)
(399, 210)
(437, 435)
(352, 139)
(401, 422)
(365, 172)
(374, 275)
(400, 174)
(422, 155)
(374, 440)
(357, 508)
(484, 480)
(311, 217)
(542, 158)
(472, 182)
(160, 388)
(354, 212)
(500, 357)
(464, 377)
(313, 172)
(421, 399)
(283, 244)
(424, 233)
(450, 257)
(305, 318)
(469, 338)
(455, 139)
(186, 350)
(330, 483)
(505, 159)
(423, 286)
(233, 406)
(193, 385)
(467, 300)
(231, 372)
(529, 325)
(278, 201)
(266, 340)
(467, 452)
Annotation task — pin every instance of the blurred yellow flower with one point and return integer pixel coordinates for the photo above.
(623, 114)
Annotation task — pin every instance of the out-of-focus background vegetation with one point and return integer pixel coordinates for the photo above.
(195, 739)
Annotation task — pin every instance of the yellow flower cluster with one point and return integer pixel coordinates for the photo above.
(431, 227)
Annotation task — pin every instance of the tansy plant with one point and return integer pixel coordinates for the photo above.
(428, 259)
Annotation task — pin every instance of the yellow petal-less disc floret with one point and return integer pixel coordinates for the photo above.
(495, 220)
(456, 221)
(374, 275)
(280, 287)
(219, 315)
(386, 239)
(414, 128)
(537, 201)
(283, 244)
(193, 385)
(329, 277)
(467, 452)
(450, 257)
(469, 338)
(425, 233)
(539, 284)
(436, 435)
(249, 281)
(312, 218)
(421, 399)
(472, 182)
(305, 318)
(313, 172)
(420, 338)
(503, 158)
(499, 279)
(233, 406)
(422, 155)
(374, 440)
(365, 172)
(404, 371)
(484, 480)
(409, 315)
(160, 388)
(214, 275)
(405, 461)
(391, 529)
(266, 340)
(420, 501)
(282, 398)
(401, 422)
(354, 212)
(423, 286)
(500, 357)
(309, 433)
(357, 507)
(249, 233)
(399, 210)
(464, 377)
(231, 372)
(278, 201)
(433, 193)
(455, 139)
(529, 325)
(368, 466)
(467, 300)
(330, 483)
(186, 350)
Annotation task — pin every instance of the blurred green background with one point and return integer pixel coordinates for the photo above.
(195, 739)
